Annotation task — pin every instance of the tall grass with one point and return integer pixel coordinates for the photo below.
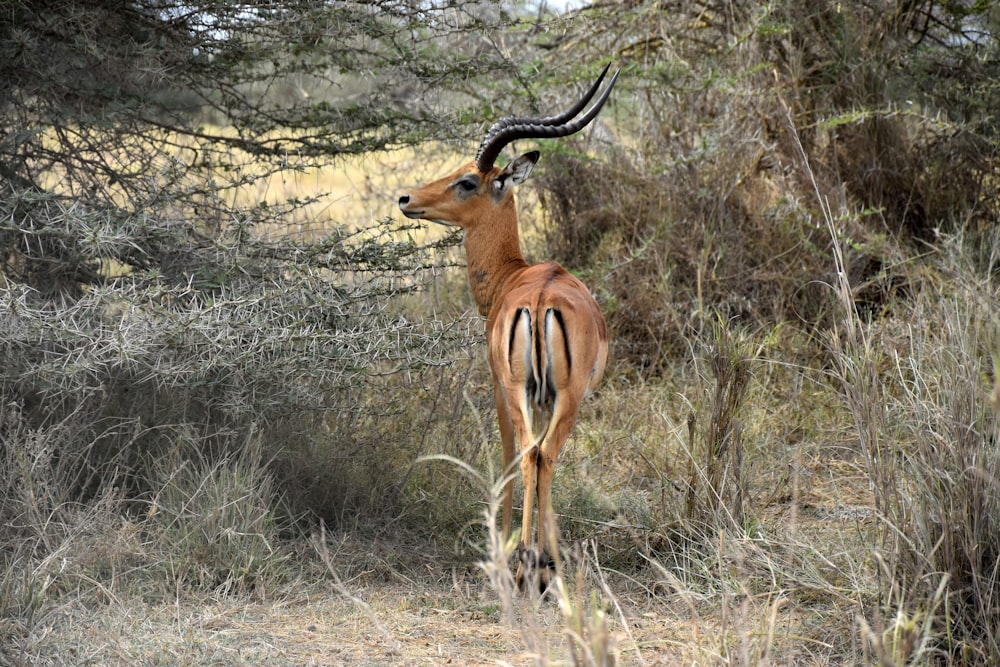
(716, 485)
(920, 405)
(942, 541)
(218, 522)
(583, 605)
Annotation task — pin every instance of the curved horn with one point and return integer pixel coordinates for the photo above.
(510, 128)
(551, 120)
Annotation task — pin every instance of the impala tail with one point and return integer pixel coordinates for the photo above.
(539, 361)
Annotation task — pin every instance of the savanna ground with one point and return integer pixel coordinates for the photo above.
(772, 553)
(787, 594)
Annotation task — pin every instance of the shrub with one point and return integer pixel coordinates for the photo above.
(705, 202)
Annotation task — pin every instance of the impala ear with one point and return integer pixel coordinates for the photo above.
(514, 173)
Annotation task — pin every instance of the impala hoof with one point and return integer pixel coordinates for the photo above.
(535, 568)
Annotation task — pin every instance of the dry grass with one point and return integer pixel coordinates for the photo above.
(643, 583)
(768, 529)
(806, 573)
(353, 192)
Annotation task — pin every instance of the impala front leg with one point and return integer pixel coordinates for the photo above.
(507, 437)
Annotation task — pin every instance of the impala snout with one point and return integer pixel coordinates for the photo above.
(404, 203)
(428, 211)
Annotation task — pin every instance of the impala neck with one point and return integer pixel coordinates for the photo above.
(493, 253)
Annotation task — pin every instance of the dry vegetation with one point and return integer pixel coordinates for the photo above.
(792, 459)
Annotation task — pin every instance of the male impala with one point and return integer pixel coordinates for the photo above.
(546, 336)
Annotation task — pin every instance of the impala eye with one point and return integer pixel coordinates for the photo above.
(466, 185)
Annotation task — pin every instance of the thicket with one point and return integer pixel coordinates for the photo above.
(157, 286)
(812, 175)
(194, 365)
(706, 204)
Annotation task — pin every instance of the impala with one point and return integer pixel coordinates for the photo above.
(546, 337)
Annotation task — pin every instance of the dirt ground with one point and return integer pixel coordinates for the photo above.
(393, 624)
(395, 604)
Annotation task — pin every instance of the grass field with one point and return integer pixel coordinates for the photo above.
(794, 555)
(785, 496)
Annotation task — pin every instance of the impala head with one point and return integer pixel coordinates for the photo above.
(471, 193)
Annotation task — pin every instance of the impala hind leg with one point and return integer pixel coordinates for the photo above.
(536, 564)
(535, 568)
(515, 420)
(526, 549)
(563, 420)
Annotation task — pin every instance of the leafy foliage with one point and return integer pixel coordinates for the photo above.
(142, 278)
(704, 202)
(106, 109)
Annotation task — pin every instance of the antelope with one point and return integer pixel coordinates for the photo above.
(547, 342)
